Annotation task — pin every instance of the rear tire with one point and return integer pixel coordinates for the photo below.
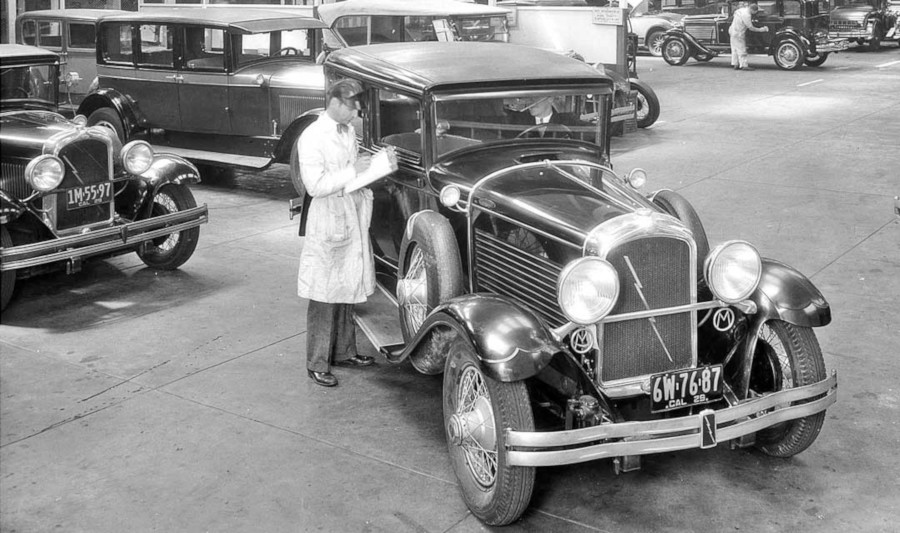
(8, 278)
(791, 358)
(647, 103)
(675, 51)
(816, 60)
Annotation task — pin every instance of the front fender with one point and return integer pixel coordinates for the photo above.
(166, 168)
(509, 340)
(123, 105)
(692, 42)
(789, 33)
(786, 294)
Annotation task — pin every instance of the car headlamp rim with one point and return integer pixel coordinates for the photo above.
(44, 173)
(137, 156)
(605, 280)
(730, 277)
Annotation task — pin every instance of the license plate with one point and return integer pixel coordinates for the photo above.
(88, 195)
(674, 390)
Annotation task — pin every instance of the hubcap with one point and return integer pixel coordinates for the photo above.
(789, 54)
(412, 291)
(472, 427)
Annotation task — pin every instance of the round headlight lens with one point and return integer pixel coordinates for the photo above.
(733, 270)
(45, 173)
(450, 196)
(588, 290)
(137, 156)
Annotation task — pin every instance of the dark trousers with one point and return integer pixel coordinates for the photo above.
(330, 335)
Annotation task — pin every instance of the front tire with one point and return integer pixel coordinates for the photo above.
(675, 51)
(647, 103)
(8, 278)
(789, 55)
(430, 269)
(107, 117)
(654, 42)
(171, 251)
(816, 60)
(786, 357)
(477, 412)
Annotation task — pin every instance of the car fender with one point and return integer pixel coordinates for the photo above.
(792, 34)
(165, 169)
(293, 131)
(124, 106)
(786, 294)
(511, 343)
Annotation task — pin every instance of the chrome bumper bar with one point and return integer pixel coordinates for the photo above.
(100, 241)
(834, 45)
(703, 430)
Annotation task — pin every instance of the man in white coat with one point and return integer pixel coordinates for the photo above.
(337, 268)
(742, 23)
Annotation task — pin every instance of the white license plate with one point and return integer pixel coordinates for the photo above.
(88, 195)
(674, 390)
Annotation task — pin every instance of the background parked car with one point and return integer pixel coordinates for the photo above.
(867, 22)
(71, 33)
(651, 27)
(798, 35)
(70, 192)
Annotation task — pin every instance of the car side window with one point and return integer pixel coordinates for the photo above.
(117, 44)
(29, 32)
(204, 49)
(157, 45)
(50, 34)
(791, 8)
(398, 121)
(82, 36)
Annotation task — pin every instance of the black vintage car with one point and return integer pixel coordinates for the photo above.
(867, 22)
(798, 35)
(573, 318)
(69, 191)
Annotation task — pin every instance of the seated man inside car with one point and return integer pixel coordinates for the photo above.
(542, 118)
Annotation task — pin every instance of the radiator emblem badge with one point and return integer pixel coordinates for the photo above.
(723, 320)
(582, 340)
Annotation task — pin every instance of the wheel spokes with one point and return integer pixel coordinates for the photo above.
(477, 431)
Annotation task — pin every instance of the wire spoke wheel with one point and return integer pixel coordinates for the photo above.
(412, 291)
(171, 251)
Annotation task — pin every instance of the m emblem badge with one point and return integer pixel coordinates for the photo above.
(581, 340)
(723, 320)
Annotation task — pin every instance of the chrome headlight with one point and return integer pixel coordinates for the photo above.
(587, 290)
(137, 156)
(45, 173)
(733, 270)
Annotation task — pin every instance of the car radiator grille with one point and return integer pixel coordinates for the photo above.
(12, 180)
(701, 32)
(632, 348)
(845, 25)
(89, 157)
(504, 269)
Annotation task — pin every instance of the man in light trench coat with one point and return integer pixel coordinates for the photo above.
(337, 268)
(742, 23)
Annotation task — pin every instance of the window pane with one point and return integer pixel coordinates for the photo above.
(29, 32)
(259, 46)
(204, 49)
(156, 45)
(117, 46)
(81, 36)
(50, 34)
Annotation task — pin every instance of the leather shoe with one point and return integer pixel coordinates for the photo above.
(356, 360)
(325, 379)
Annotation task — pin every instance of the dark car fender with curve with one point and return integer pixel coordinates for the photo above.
(511, 342)
(786, 294)
(124, 106)
(691, 41)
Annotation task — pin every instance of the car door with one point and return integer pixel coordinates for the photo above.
(770, 15)
(203, 87)
(156, 85)
(81, 55)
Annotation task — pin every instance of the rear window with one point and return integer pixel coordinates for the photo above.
(82, 36)
(50, 34)
(117, 43)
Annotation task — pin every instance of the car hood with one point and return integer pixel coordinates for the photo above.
(284, 74)
(695, 18)
(24, 133)
(854, 11)
(539, 196)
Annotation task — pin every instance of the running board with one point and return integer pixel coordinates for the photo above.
(379, 321)
(215, 157)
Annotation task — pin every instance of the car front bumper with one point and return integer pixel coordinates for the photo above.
(102, 241)
(702, 430)
(832, 45)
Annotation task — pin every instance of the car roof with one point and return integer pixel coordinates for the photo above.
(240, 20)
(70, 14)
(424, 66)
(11, 54)
(422, 8)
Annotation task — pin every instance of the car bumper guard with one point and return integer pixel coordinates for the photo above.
(702, 430)
(832, 45)
(101, 241)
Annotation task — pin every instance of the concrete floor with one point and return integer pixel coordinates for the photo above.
(132, 400)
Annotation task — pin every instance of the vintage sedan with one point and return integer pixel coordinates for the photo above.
(866, 22)
(226, 86)
(573, 317)
(651, 27)
(69, 192)
(798, 35)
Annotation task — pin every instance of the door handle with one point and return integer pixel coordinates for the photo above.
(177, 77)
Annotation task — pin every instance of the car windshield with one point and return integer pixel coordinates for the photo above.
(359, 30)
(255, 47)
(37, 83)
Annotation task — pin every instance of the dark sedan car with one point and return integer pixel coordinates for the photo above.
(69, 192)
(573, 317)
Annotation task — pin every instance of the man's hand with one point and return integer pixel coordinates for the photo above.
(362, 162)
